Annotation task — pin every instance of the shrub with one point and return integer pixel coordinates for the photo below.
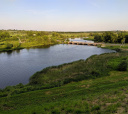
(20, 85)
(95, 73)
(122, 66)
(9, 46)
(96, 107)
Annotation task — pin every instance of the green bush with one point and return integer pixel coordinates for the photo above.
(96, 107)
(122, 66)
(95, 73)
(9, 46)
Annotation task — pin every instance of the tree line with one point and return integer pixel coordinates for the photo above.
(111, 37)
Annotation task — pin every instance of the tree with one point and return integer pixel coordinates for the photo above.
(114, 38)
(107, 36)
(126, 38)
(120, 37)
(4, 35)
(98, 38)
(46, 40)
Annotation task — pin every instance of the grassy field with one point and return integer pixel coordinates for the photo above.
(98, 85)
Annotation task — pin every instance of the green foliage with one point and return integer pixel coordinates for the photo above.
(4, 35)
(119, 63)
(54, 34)
(8, 45)
(96, 107)
(111, 37)
(126, 38)
(120, 37)
(26, 39)
(1, 43)
(98, 38)
(30, 33)
(94, 67)
(41, 33)
(122, 66)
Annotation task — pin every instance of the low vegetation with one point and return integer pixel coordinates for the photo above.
(19, 39)
(96, 85)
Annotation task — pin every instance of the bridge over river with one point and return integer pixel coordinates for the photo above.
(84, 43)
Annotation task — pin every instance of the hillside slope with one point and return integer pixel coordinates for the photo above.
(106, 92)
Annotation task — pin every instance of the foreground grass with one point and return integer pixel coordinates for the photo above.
(92, 86)
(103, 95)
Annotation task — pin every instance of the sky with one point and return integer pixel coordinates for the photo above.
(64, 15)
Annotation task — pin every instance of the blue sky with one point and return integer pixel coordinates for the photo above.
(64, 15)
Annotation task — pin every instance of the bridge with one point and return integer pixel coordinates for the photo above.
(84, 43)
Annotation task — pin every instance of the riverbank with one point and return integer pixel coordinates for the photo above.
(16, 39)
(117, 47)
(10, 46)
(96, 85)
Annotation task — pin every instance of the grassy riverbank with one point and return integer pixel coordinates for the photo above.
(97, 85)
(19, 39)
(117, 47)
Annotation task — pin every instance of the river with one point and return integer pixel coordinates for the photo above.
(17, 67)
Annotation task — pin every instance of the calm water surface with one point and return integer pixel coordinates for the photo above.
(18, 66)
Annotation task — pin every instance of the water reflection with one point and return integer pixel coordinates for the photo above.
(9, 53)
(17, 51)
